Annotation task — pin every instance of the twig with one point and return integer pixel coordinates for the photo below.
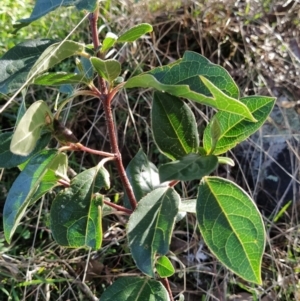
(106, 98)
(80, 147)
(115, 149)
(173, 183)
(93, 18)
(118, 207)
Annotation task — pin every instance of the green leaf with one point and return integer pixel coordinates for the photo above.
(187, 71)
(76, 212)
(150, 227)
(28, 130)
(84, 73)
(190, 167)
(44, 7)
(60, 78)
(24, 188)
(135, 289)
(142, 175)
(174, 126)
(85, 69)
(229, 104)
(234, 128)
(164, 267)
(67, 89)
(231, 226)
(17, 62)
(215, 132)
(57, 169)
(183, 78)
(135, 33)
(108, 69)
(9, 159)
(108, 42)
(102, 180)
(53, 55)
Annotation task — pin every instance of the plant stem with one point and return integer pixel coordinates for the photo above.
(115, 149)
(63, 183)
(118, 207)
(93, 151)
(93, 17)
(106, 98)
(80, 147)
(166, 284)
(173, 183)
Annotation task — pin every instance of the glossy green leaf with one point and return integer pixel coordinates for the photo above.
(44, 7)
(174, 126)
(60, 78)
(135, 33)
(190, 167)
(187, 71)
(53, 55)
(108, 42)
(9, 159)
(84, 73)
(231, 226)
(183, 78)
(29, 129)
(234, 128)
(57, 170)
(108, 69)
(24, 188)
(150, 227)
(229, 104)
(16, 63)
(142, 175)
(164, 267)
(76, 212)
(135, 289)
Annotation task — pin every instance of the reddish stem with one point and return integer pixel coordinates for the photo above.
(115, 149)
(64, 182)
(93, 17)
(118, 207)
(80, 147)
(93, 151)
(106, 98)
(166, 284)
(173, 183)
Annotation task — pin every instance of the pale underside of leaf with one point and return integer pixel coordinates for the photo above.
(29, 128)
